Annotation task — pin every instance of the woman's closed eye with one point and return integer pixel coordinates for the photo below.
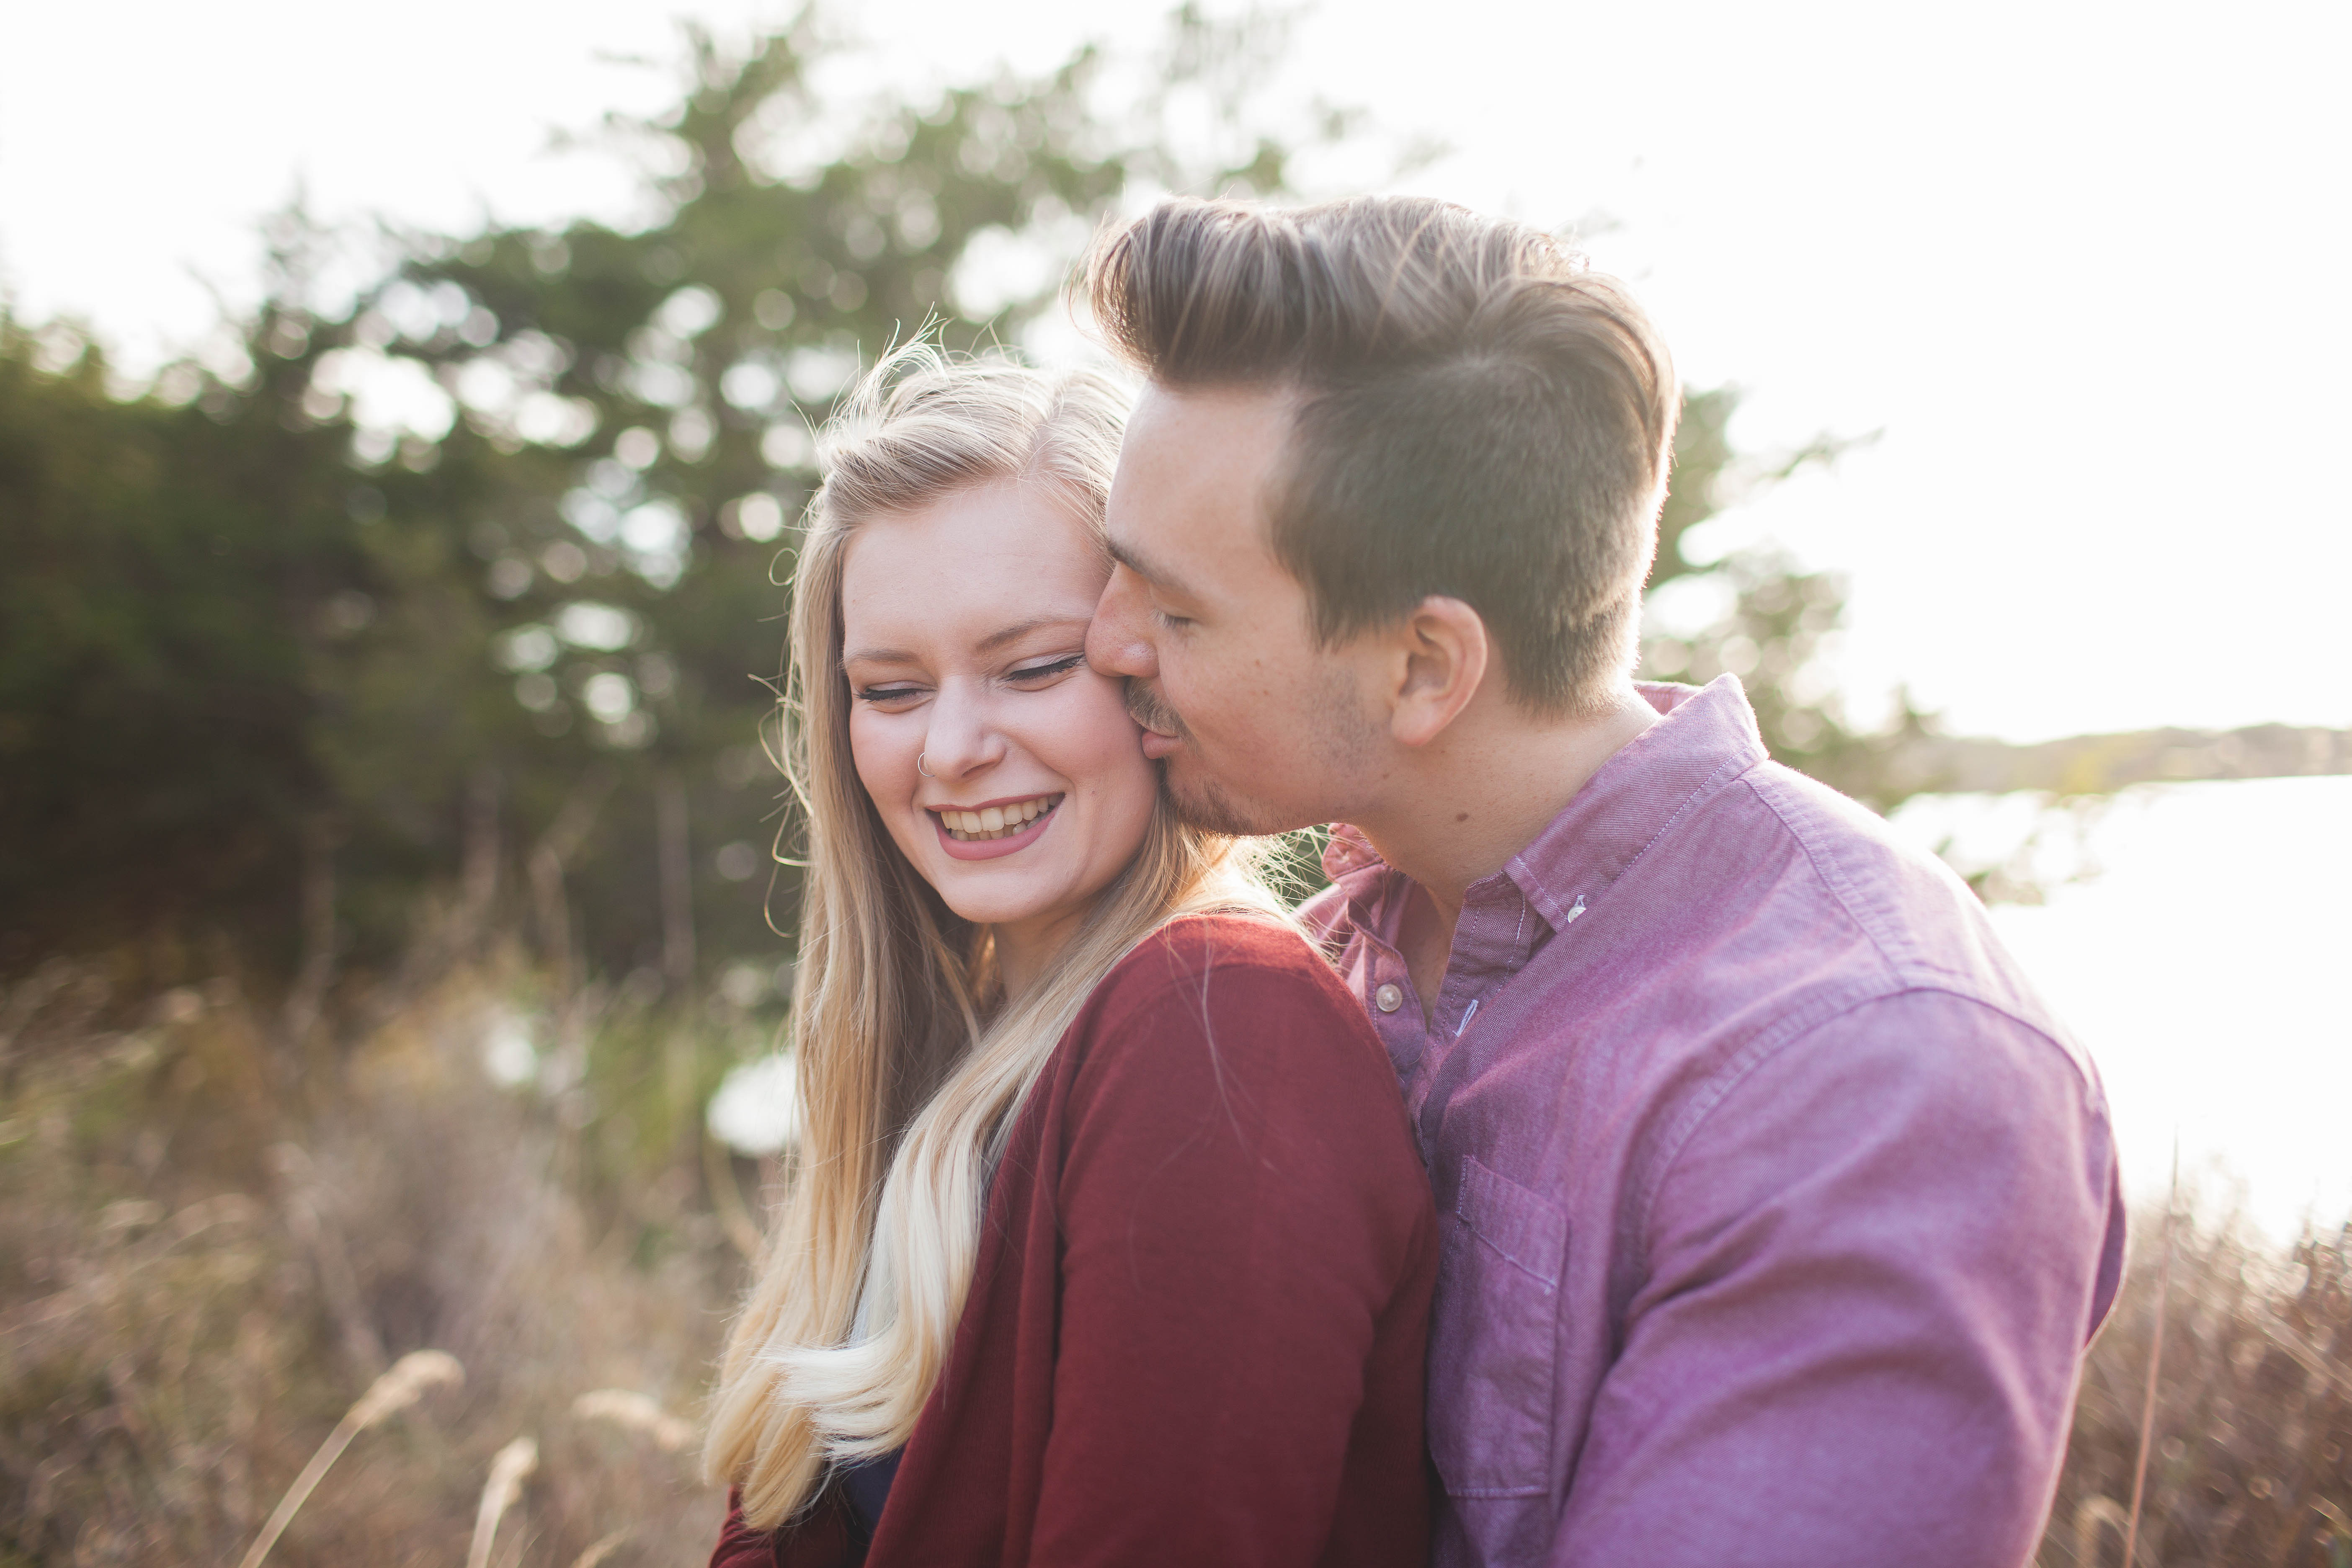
(1031, 674)
(899, 693)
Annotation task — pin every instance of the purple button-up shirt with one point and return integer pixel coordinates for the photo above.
(1776, 1208)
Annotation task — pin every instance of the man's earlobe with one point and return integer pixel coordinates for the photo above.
(1443, 656)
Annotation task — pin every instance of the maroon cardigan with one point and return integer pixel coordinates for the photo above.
(1195, 1329)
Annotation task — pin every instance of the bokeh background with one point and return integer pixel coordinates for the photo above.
(404, 418)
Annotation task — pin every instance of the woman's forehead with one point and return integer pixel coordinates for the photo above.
(968, 572)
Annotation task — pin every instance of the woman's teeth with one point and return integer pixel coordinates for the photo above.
(996, 821)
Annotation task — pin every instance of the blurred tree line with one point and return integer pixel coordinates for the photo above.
(283, 674)
(445, 608)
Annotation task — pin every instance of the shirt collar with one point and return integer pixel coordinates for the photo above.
(1705, 737)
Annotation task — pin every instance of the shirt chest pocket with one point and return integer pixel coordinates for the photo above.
(1494, 1338)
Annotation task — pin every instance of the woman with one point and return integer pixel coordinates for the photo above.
(1107, 1241)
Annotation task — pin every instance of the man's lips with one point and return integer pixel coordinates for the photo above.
(1162, 730)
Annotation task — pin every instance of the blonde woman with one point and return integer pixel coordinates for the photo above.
(1106, 1242)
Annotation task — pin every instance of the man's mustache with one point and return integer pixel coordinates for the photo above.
(1144, 707)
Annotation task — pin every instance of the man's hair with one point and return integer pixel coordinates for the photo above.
(1477, 415)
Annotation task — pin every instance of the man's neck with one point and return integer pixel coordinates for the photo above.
(1477, 797)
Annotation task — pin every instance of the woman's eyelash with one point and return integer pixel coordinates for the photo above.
(1059, 666)
(1034, 672)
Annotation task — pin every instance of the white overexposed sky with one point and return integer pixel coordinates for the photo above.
(2081, 264)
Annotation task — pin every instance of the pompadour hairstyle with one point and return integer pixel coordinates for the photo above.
(1477, 415)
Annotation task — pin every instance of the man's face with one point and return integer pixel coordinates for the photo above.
(1261, 729)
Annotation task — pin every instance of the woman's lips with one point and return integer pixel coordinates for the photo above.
(991, 849)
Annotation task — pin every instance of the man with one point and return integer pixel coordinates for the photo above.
(1778, 1208)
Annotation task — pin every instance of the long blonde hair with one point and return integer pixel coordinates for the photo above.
(911, 1063)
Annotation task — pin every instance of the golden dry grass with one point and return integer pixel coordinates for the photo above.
(2250, 1458)
(206, 1257)
(215, 1247)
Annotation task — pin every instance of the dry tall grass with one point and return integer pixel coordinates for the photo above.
(212, 1245)
(2249, 1452)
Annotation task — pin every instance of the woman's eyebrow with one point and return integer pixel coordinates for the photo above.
(989, 644)
(1019, 629)
(878, 656)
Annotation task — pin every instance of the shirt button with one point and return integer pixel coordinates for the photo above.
(1388, 998)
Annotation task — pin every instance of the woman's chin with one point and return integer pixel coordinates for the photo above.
(1007, 892)
(1004, 907)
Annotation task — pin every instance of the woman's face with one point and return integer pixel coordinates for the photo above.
(963, 638)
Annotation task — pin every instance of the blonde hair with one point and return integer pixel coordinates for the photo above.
(911, 1063)
(1479, 415)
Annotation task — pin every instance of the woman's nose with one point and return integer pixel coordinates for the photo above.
(961, 739)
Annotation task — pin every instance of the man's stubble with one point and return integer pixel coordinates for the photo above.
(1344, 741)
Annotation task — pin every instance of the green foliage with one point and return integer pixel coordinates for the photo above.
(256, 644)
(165, 605)
(263, 644)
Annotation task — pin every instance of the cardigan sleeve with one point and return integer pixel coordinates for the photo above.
(821, 1539)
(1242, 1208)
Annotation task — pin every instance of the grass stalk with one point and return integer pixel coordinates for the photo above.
(636, 1413)
(2155, 1364)
(508, 1469)
(603, 1549)
(2090, 1514)
(397, 1390)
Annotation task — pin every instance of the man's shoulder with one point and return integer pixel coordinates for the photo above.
(1827, 911)
(1910, 914)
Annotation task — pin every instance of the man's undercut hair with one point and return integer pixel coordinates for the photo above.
(1478, 415)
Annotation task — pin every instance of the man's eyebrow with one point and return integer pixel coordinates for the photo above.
(1159, 577)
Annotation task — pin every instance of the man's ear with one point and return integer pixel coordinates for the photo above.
(1438, 659)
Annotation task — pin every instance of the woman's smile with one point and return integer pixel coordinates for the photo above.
(994, 828)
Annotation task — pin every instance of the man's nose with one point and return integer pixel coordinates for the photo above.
(1116, 643)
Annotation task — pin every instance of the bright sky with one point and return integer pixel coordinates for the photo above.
(2081, 264)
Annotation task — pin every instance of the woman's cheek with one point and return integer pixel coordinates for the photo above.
(873, 750)
(1126, 779)
(1102, 703)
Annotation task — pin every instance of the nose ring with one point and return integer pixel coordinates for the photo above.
(922, 770)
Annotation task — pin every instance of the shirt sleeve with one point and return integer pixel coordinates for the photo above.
(1242, 1208)
(1871, 1272)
